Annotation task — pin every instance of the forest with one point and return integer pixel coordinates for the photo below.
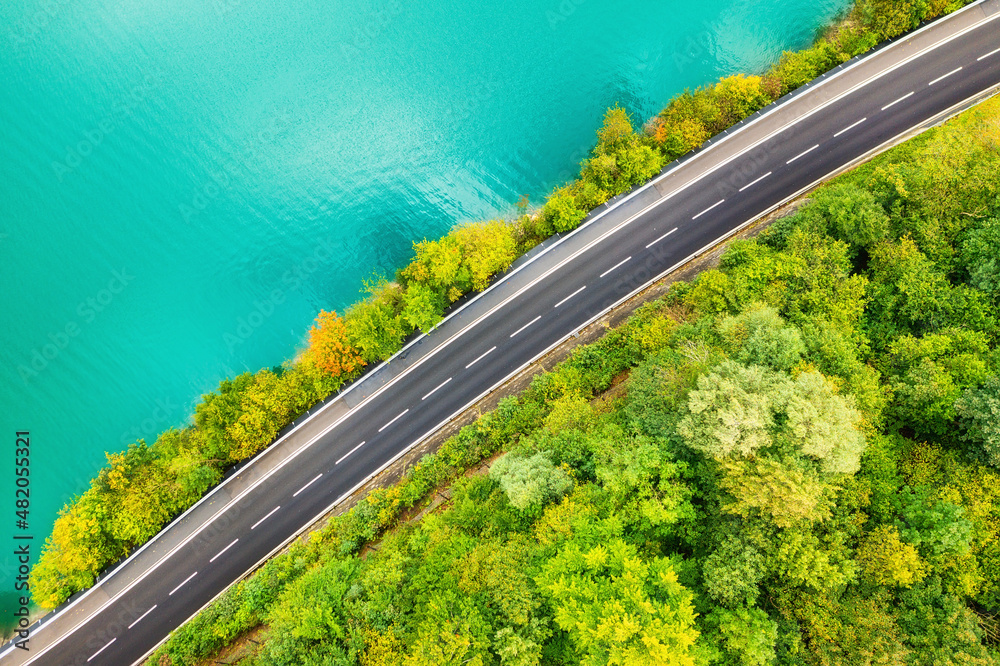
(145, 486)
(792, 459)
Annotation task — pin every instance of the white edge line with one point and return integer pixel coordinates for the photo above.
(102, 649)
(802, 154)
(185, 582)
(344, 457)
(942, 78)
(570, 296)
(143, 615)
(850, 127)
(441, 385)
(315, 479)
(270, 513)
(984, 57)
(861, 60)
(752, 183)
(616, 266)
(219, 554)
(890, 104)
(511, 335)
(661, 238)
(401, 414)
(482, 356)
(877, 150)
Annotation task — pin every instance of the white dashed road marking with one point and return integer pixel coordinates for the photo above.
(344, 457)
(849, 127)
(481, 357)
(102, 649)
(717, 203)
(254, 526)
(315, 479)
(394, 420)
(186, 580)
(909, 94)
(516, 332)
(942, 78)
(618, 265)
(143, 615)
(218, 554)
(441, 385)
(569, 297)
(803, 154)
(661, 238)
(751, 184)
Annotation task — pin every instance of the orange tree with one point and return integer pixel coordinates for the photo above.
(329, 347)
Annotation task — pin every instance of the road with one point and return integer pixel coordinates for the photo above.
(623, 247)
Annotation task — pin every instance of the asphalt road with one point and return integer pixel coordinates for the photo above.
(532, 309)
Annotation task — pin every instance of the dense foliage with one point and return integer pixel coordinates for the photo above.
(800, 468)
(143, 488)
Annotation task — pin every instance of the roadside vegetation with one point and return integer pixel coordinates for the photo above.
(792, 459)
(145, 486)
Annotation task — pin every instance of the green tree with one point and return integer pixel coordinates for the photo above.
(760, 336)
(438, 265)
(266, 406)
(979, 412)
(738, 97)
(487, 249)
(824, 425)
(619, 608)
(217, 411)
(940, 629)
(451, 632)
(76, 551)
(732, 410)
(530, 482)
(747, 636)
(561, 212)
(621, 158)
(979, 255)
(423, 307)
(885, 559)
(910, 294)
(803, 560)
(937, 527)
(925, 397)
(733, 571)
(848, 213)
(889, 18)
(642, 481)
(785, 492)
(928, 374)
(374, 327)
(616, 131)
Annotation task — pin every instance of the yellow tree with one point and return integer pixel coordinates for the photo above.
(487, 249)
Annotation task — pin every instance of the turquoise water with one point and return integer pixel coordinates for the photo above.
(183, 185)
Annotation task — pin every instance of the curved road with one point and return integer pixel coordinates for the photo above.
(623, 247)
